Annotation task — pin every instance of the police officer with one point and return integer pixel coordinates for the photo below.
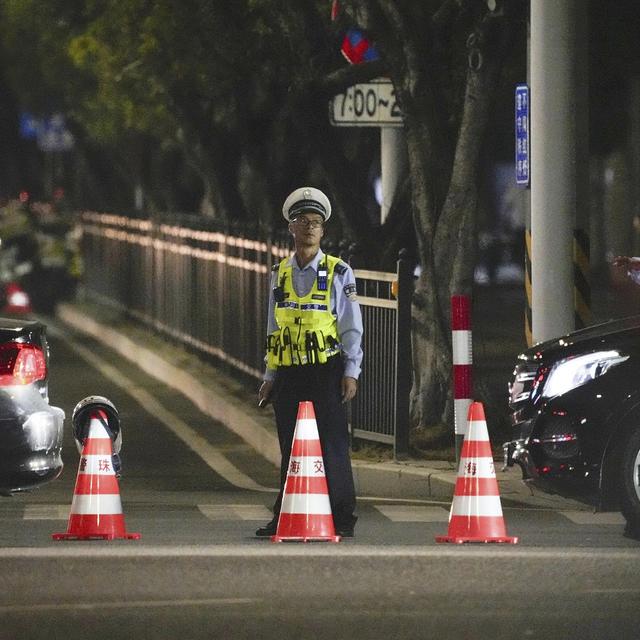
(314, 352)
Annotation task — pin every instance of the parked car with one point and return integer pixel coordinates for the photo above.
(30, 429)
(575, 404)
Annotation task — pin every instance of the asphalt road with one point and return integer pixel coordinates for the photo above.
(196, 493)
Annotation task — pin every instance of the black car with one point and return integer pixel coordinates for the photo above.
(30, 429)
(575, 405)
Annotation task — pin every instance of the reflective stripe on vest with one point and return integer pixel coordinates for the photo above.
(307, 329)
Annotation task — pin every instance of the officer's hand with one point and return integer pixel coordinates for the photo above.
(349, 388)
(264, 393)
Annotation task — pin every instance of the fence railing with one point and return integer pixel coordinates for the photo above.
(208, 289)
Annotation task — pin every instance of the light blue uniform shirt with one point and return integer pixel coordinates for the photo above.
(347, 312)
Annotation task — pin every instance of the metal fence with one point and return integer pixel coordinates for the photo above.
(208, 288)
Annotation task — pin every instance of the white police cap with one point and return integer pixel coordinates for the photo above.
(306, 199)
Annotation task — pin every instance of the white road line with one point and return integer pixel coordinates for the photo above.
(125, 604)
(46, 512)
(235, 511)
(444, 503)
(611, 591)
(406, 513)
(210, 454)
(588, 517)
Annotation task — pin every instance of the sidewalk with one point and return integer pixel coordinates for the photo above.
(229, 402)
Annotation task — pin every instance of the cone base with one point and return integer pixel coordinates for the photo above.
(305, 538)
(109, 526)
(96, 536)
(464, 539)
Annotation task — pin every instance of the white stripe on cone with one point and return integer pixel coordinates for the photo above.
(476, 468)
(461, 347)
(308, 503)
(306, 429)
(96, 464)
(97, 430)
(471, 506)
(311, 466)
(477, 430)
(96, 504)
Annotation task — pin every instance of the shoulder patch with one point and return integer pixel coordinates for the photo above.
(350, 292)
(341, 268)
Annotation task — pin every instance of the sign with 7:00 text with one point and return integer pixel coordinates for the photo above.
(370, 104)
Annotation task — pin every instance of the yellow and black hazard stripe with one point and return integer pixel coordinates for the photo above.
(581, 279)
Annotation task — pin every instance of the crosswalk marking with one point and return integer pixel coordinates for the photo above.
(407, 513)
(257, 512)
(588, 517)
(235, 511)
(46, 512)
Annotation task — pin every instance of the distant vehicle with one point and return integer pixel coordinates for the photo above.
(14, 268)
(14, 300)
(575, 405)
(30, 429)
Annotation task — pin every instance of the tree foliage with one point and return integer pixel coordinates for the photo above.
(227, 102)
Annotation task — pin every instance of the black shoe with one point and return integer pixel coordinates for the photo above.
(268, 530)
(345, 527)
(631, 532)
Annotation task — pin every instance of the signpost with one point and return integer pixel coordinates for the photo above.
(522, 134)
(374, 104)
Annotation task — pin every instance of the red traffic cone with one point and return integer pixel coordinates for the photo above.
(476, 512)
(96, 510)
(305, 514)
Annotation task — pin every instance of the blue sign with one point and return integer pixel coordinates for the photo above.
(30, 126)
(523, 123)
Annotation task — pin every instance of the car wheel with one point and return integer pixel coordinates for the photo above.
(630, 481)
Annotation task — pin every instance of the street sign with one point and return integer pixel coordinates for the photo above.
(30, 126)
(370, 104)
(522, 134)
(54, 135)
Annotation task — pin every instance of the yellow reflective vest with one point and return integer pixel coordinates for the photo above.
(307, 329)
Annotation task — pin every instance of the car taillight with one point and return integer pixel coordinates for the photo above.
(21, 363)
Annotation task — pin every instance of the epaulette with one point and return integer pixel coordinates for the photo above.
(275, 267)
(341, 268)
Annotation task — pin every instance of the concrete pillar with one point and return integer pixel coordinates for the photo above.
(553, 164)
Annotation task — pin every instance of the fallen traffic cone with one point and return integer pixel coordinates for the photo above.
(96, 510)
(476, 512)
(305, 514)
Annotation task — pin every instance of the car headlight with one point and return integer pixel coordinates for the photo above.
(573, 372)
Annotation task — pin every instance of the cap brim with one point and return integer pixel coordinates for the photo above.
(307, 207)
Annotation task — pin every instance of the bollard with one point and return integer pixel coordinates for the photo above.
(462, 366)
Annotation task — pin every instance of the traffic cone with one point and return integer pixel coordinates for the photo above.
(476, 512)
(305, 514)
(96, 510)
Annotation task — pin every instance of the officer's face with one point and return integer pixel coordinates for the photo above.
(307, 227)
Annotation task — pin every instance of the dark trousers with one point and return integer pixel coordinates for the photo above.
(321, 384)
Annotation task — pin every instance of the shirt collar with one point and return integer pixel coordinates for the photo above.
(313, 264)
